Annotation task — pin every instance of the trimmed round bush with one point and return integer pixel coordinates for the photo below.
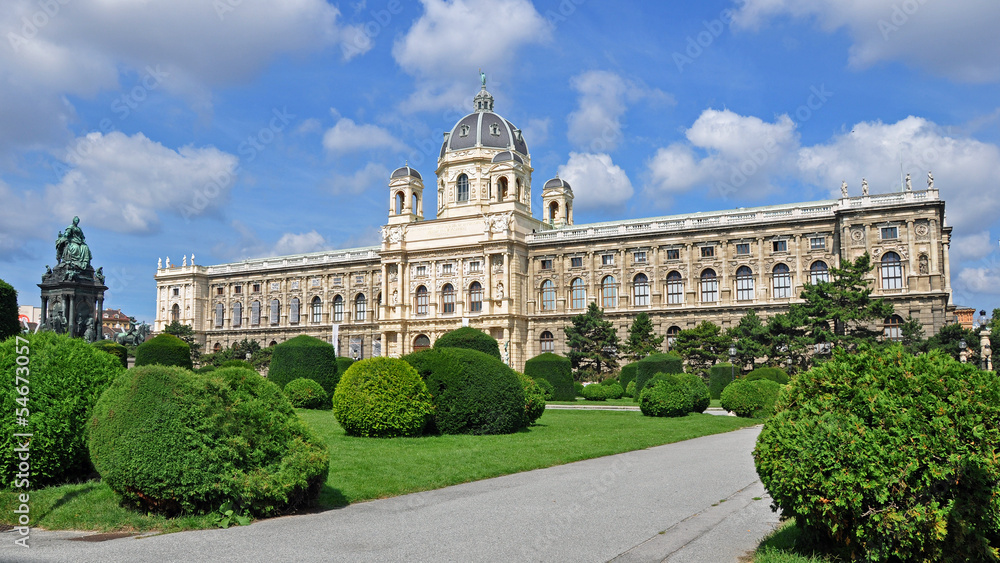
(595, 392)
(115, 349)
(698, 390)
(719, 376)
(885, 456)
(169, 440)
(558, 370)
(653, 364)
(609, 381)
(164, 350)
(471, 339)
(237, 364)
(776, 375)
(472, 392)
(630, 390)
(750, 399)
(305, 356)
(547, 389)
(206, 369)
(305, 393)
(577, 389)
(665, 397)
(534, 398)
(627, 374)
(63, 378)
(382, 398)
(343, 362)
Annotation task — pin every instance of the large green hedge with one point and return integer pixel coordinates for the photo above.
(61, 380)
(164, 350)
(750, 399)
(343, 362)
(305, 356)
(115, 349)
(470, 338)
(169, 440)
(382, 398)
(472, 392)
(776, 375)
(885, 456)
(9, 323)
(627, 374)
(653, 364)
(719, 376)
(557, 370)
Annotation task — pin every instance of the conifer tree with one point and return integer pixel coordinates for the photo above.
(593, 344)
(9, 323)
(702, 346)
(750, 337)
(642, 341)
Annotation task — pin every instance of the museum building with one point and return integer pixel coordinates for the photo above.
(485, 261)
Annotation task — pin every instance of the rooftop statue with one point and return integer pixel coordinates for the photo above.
(71, 248)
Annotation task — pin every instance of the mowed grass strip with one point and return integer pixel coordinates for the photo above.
(783, 546)
(371, 468)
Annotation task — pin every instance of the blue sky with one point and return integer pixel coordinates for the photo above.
(241, 128)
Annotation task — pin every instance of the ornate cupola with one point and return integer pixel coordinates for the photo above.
(557, 203)
(406, 196)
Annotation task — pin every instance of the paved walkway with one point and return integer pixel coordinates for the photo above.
(698, 500)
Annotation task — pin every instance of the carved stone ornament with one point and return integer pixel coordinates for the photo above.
(921, 229)
(857, 235)
(498, 222)
(393, 235)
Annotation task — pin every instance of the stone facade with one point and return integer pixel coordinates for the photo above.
(487, 262)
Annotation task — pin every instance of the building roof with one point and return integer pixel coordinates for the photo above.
(405, 171)
(556, 182)
(484, 128)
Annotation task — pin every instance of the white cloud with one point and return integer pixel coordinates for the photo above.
(125, 183)
(604, 96)
(536, 131)
(348, 136)
(596, 181)
(300, 243)
(452, 39)
(371, 176)
(979, 280)
(972, 247)
(251, 246)
(956, 39)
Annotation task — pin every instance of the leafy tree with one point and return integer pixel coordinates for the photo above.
(751, 338)
(913, 336)
(994, 326)
(702, 346)
(786, 340)
(185, 333)
(9, 325)
(949, 339)
(642, 341)
(593, 344)
(841, 311)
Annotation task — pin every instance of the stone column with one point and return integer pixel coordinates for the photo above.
(99, 319)
(71, 321)
(43, 321)
(945, 245)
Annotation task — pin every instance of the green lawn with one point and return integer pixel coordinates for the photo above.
(782, 547)
(627, 401)
(370, 468)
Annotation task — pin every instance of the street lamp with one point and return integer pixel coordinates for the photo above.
(963, 354)
(732, 363)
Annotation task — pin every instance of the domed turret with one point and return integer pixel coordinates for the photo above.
(484, 128)
(557, 202)
(405, 171)
(406, 195)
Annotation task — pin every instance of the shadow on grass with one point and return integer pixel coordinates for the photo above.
(788, 544)
(85, 488)
(329, 498)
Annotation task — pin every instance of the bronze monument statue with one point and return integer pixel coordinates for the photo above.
(72, 291)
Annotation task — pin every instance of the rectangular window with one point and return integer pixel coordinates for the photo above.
(608, 259)
(780, 245)
(639, 256)
(255, 313)
(890, 233)
(338, 280)
(743, 248)
(237, 289)
(707, 251)
(446, 269)
(359, 280)
(673, 254)
(421, 270)
(475, 266)
(295, 284)
(256, 288)
(315, 282)
(177, 291)
(546, 264)
(576, 262)
(275, 286)
(675, 291)
(218, 291)
(817, 243)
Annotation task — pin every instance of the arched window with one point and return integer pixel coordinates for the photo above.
(220, 312)
(548, 296)
(255, 313)
(640, 290)
(422, 300)
(709, 286)
(609, 293)
(818, 272)
(579, 293)
(463, 188)
(175, 313)
(475, 297)
(547, 341)
(237, 314)
(672, 333)
(338, 309)
(553, 212)
(448, 298)
(360, 308)
(744, 284)
(892, 271)
(502, 195)
(421, 342)
(781, 279)
(517, 189)
(400, 198)
(217, 347)
(317, 310)
(377, 310)
(893, 328)
(675, 288)
(273, 343)
(275, 311)
(293, 311)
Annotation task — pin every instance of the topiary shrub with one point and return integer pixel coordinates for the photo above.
(885, 456)
(534, 398)
(169, 440)
(665, 397)
(577, 389)
(305, 393)
(206, 369)
(547, 389)
(343, 362)
(471, 339)
(595, 392)
(61, 378)
(115, 349)
(719, 376)
(9, 323)
(472, 392)
(609, 381)
(304, 356)
(382, 398)
(653, 364)
(697, 389)
(557, 370)
(164, 350)
(627, 374)
(237, 364)
(776, 375)
(750, 399)
(630, 390)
